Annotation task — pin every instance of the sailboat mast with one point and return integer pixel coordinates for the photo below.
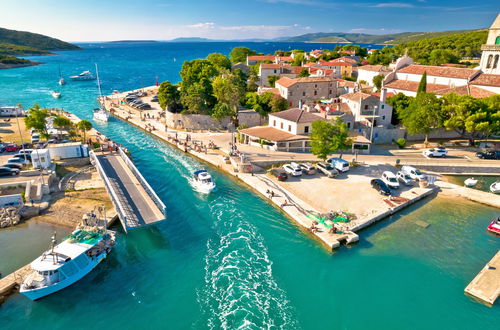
(98, 83)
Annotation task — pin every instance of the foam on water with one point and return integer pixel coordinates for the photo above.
(240, 291)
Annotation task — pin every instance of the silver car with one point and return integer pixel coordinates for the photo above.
(327, 169)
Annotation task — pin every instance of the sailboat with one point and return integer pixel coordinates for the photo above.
(100, 114)
(61, 79)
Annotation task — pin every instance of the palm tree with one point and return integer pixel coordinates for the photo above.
(62, 123)
(84, 126)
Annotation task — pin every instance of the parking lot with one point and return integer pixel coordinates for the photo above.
(350, 191)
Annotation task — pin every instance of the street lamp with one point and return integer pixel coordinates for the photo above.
(373, 123)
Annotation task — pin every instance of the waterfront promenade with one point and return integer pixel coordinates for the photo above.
(486, 285)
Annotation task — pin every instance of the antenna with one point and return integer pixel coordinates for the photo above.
(53, 245)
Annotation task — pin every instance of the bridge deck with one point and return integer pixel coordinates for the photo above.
(138, 206)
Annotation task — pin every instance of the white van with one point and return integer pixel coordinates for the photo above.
(35, 138)
(414, 173)
(340, 164)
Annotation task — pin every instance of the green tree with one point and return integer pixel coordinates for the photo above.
(196, 87)
(422, 86)
(327, 138)
(442, 56)
(298, 59)
(422, 115)
(84, 126)
(278, 103)
(399, 103)
(272, 80)
(62, 123)
(229, 92)
(304, 73)
(36, 119)
(219, 60)
(239, 54)
(377, 81)
(169, 97)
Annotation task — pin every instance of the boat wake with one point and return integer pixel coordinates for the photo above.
(240, 291)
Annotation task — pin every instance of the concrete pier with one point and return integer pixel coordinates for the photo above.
(486, 285)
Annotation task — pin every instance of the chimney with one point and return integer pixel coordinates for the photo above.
(383, 95)
(300, 104)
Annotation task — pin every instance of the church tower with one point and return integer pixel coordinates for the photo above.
(490, 59)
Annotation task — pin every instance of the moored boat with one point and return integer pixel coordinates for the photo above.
(470, 182)
(85, 75)
(203, 181)
(494, 226)
(55, 94)
(101, 115)
(495, 187)
(66, 263)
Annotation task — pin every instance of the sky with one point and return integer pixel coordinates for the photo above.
(106, 20)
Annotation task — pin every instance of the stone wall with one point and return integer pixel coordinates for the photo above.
(249, 118)
(387, 135)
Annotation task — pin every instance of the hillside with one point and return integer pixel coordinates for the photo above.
(348, 37)
(10, 49)
(34, 40)
(428, 35)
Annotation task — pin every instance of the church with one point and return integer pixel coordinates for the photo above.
(479, 82)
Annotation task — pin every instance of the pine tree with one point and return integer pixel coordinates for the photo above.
(422, 86)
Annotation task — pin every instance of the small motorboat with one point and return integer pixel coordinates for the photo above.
(61, 81)
(470, 182)
(494, 226)
(55, 94)
(85, 75)
(495, 187)
(203, 182)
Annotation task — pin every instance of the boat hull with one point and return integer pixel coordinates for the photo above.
(494, 228)
(35, 294)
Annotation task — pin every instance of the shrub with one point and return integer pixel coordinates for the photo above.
(401, 143)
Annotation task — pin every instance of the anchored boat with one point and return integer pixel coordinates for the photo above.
(495, 187)
(470, 182)
(85, 75)
(203, 182)
(55, 94)
(494, 226)
(67, 262)
(100, 114)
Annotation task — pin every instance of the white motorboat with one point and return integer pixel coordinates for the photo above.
(67, 262)
(55, 94)
(470, 182)
(101, 115)
(61, 79)
(495, 187)
(85, 75)
(203, 182)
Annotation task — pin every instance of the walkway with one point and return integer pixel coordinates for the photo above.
(486, 285)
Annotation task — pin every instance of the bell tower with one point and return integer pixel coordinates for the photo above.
(490, 58)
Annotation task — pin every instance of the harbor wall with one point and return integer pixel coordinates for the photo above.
(249, 118)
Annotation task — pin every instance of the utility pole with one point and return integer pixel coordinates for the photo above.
(373, 122)
(20, 134)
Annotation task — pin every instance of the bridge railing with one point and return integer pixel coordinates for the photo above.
(110, 189)
(152, 194)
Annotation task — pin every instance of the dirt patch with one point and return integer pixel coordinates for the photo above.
(10, 132)
(67, 208)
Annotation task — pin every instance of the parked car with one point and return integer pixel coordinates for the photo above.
(26, 145)
(26, 150)
(5, 171)
(155, 99)
(492, 154)
(143, 106)
(11, 147)
(435, 152)
(414, 173)
(390, 179)
(327, 169)
(20, 161)
(292, 170)
(23, 156)
(405, 178)
(35, 138)
(13, 165)
(279, 173)
(308, 168)
(340, 164)
(2, 147)
(381, 187)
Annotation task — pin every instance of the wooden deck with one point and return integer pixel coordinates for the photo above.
(486, 285)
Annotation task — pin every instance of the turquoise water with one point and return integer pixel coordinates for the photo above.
(231, 260)
(484, 182)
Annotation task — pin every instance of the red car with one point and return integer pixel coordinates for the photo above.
(11, 147)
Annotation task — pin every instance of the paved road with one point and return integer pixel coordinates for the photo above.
(139, 207)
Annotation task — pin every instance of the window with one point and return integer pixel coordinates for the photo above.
(315, 85)
(330, 91)
(289, 128)
(274, 123)
(303, 93)
(348, 125)
(281, 125)
(383, 117)
(290, 93)
(495, 62)
(366, 106)
(315, 92)
(382, 107)
(306, 129)
(490, 59)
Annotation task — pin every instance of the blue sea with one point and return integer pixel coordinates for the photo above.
(231, 260)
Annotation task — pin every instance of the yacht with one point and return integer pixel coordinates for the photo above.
(101, 115)
(66, 263)
(55, 94)
(85, 75)
(203, 182)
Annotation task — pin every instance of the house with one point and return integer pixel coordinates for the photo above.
(336, 109)
(280, 70)
(11, 112)
(242, 66)
(368, 109)
(368, 72)
(340, 69)
(255, 59)
(308, 89)
(287, 131)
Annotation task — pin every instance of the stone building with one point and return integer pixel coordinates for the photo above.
(305, 90)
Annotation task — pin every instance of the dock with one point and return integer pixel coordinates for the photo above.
(135, 201)
(485, 287)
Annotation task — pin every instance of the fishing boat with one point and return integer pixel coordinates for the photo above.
(66, 263)
(494, 226)
(100, 114)
(470, 182)
(85, 75)
(55, 94)
(203, 182)
(495, 187)
(61, 79)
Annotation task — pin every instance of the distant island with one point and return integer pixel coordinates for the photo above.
(129, 41)
(21, 43)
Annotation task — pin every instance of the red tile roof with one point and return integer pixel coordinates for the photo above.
(412, 86)
(487, 80)
(439, 71)
(467, 90)
(297, 116)
(269, 66)
(287, 82)
(356, 96)
(374, 68)
(285, 58)
(262, 58)
(345, 59)
(271, 134)
(335, 64)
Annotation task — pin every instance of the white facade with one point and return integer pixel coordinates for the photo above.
(490, 58)
(68, 150)
(11, 111)
(290, 126)
(40, 158)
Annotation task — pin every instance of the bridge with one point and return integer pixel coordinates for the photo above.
(135, 201)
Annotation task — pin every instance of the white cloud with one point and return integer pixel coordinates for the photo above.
(393, 5)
